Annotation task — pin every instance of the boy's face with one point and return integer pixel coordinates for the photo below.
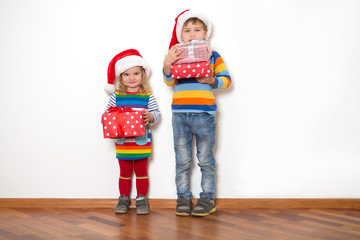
(193, 31)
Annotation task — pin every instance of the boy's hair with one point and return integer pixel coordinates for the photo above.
(195, 20)
(144, 85)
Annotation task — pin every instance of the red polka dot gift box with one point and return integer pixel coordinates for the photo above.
(112, 121)
(119, 123)
(133, 124)
(191, 70)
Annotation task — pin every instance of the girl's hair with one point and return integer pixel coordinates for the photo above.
(144, 85)
(195, 20)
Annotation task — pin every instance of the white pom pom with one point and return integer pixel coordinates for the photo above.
(109, 88)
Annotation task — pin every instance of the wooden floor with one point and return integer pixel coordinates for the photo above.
(162, 223)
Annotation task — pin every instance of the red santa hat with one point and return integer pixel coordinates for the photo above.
(179, 23)
(122, 62)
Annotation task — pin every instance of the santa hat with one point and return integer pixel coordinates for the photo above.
(179, 23)
(122, 62)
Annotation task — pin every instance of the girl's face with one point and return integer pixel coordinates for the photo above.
(193, 32)
(131, 78)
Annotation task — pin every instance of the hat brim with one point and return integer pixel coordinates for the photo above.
(191, 14)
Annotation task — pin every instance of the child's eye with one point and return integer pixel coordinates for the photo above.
(137, 73)
(126, 74)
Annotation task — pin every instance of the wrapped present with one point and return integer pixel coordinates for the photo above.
(134, 124)
(112, 121)
(194, 51)
(123, 122)
(191, 70)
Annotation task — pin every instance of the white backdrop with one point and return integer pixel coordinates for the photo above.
(289, 126)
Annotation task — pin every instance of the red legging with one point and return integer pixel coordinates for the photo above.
(142, 179)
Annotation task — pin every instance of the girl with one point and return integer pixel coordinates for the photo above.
(128, 73)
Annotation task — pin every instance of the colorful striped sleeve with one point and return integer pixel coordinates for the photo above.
(168, 79)
(222, 76)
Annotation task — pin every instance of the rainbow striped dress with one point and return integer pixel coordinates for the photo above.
(130, 150)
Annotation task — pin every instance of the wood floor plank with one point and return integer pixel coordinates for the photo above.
(228, 223)
(170, 203)
(336, 216)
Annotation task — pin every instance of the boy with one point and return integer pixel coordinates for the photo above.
(194, 110)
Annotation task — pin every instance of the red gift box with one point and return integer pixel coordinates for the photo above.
(112, 121)
(194, 51)
(191, 70)
(120, 122)
(133, 124)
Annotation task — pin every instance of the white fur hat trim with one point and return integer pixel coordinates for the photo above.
(191, 14)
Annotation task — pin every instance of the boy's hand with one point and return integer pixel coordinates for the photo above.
(206, 80)
(171, 58)
(148, 117)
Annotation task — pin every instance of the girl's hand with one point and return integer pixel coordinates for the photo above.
(171, 58)
(147, 116)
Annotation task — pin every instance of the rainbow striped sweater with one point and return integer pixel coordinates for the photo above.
(129, 148)
(191, 96)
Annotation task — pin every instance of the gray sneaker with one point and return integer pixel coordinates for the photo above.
(123, 204)
(183, 206)
(204, 207)
(142, 206)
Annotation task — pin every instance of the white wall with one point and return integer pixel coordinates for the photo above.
(287, 127)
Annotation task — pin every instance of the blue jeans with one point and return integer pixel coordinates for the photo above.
(202, 126)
